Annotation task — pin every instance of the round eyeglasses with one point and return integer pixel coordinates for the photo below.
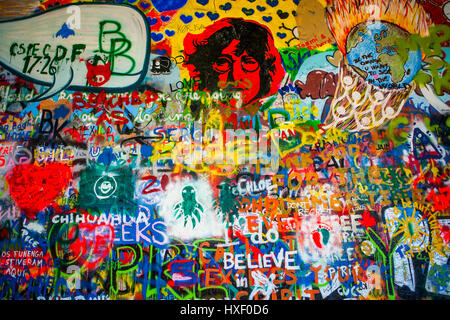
(225, 64)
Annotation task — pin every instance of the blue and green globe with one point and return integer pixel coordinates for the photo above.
(372, 52)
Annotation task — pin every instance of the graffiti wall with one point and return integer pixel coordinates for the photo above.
(223, 149)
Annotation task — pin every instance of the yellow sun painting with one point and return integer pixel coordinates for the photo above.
(414, 229)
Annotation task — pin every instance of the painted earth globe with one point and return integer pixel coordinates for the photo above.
(372, 51)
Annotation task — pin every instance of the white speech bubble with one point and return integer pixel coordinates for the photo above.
(93, 47)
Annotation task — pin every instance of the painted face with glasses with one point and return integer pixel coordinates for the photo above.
(235, 54)
(239, 70)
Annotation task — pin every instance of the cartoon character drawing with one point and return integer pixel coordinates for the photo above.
(294, 30)
(189, 207)
(226, 205)
(263, 285)
(97, 74)
(161, 65)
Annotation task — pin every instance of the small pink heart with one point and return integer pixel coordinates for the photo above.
(375, 76)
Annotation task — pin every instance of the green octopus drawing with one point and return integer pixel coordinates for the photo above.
(189, 207)
(227, 205)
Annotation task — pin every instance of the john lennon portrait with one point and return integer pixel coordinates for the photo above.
(236, 52)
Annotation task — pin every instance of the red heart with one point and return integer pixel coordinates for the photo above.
(34, 187)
